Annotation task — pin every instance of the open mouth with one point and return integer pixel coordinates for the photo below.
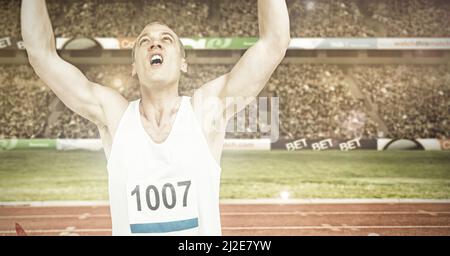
(156, 60)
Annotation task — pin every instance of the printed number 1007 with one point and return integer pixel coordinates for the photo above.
(167, 191)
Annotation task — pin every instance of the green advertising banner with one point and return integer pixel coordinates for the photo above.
(216, 43)
(242, 43)
(12, 144)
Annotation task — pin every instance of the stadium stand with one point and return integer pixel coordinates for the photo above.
(225, 18)
(24, 103)
(412, 100)
(315, 99)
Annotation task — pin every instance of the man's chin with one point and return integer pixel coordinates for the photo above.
(158, 80)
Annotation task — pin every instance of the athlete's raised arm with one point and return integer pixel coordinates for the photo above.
(249, 76)
(70, 85)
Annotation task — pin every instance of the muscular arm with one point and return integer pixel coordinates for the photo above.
(70, 85)
(249, 76)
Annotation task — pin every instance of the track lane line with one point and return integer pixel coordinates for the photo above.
(324, 226)
(301, 213)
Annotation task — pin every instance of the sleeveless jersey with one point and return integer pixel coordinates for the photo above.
(168, 188)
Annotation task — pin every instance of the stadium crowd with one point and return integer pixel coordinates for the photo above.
(315, 101)
(24, 103)
(413, 101)
(202, 18)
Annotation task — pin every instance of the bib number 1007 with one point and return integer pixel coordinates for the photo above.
(167, 193)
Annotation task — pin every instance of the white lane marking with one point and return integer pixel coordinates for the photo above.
(31, 231)
(328, 226)
(300, 213)
(333, 201)
(305, 213)
(55, 203)
(241, 228)
(84, 216)
(54, 216)
(349, 227)
(69, 231)
(373, 234)
(246, 201)
(427, 212)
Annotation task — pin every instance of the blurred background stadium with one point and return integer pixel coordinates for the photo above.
(357, 69)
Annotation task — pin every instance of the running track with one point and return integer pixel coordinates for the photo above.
(251, 219)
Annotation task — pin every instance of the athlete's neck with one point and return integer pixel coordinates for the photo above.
(158, 103)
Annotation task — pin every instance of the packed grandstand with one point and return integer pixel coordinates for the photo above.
(224, 18)
(316, 100)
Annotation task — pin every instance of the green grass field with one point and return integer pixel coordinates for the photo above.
(41, 175)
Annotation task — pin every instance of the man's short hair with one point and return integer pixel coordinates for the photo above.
(182, 50)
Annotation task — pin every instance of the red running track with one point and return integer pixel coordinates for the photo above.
(400, 219)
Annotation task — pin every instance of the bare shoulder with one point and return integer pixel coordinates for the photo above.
(113, 106)
(208, 106)
(208, 94)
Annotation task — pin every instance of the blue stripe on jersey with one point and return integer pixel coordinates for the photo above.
(164, 227)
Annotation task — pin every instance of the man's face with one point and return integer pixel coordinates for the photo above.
(158, 58)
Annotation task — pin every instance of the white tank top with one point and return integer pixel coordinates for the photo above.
(170, 188)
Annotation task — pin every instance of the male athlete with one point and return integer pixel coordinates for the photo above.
(164, 149)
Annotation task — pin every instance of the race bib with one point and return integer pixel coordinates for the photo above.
(162, 206)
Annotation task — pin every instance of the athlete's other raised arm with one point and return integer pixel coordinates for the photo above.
(70, 85)
(249, 76)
